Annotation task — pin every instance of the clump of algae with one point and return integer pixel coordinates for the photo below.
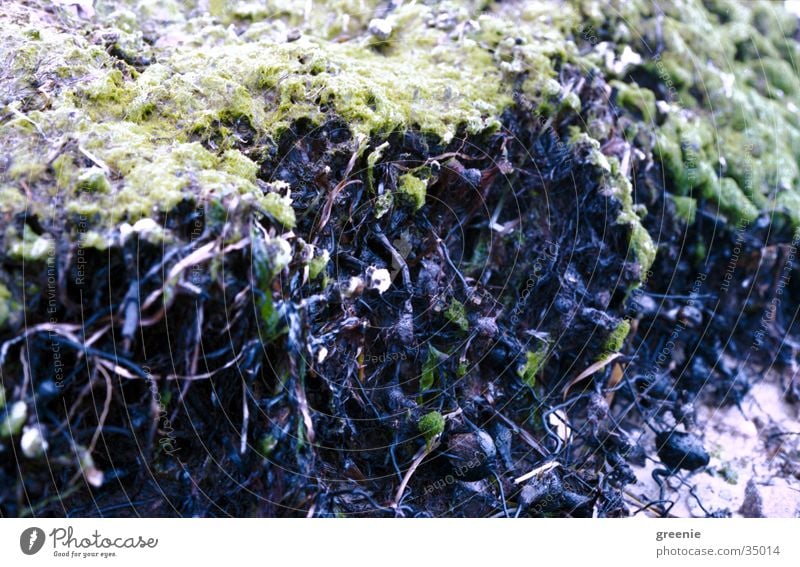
(122, 129)
(724, 81)
(111, 139)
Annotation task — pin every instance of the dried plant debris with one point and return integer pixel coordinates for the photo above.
(388, 258)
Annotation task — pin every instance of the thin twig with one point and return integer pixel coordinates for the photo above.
(418, 458)
(245, 420)
(106, 407)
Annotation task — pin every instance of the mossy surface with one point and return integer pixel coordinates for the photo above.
(718, 83)
(5, 307)
(457, 314)
(112, 138)
(618, 335)
(430, 425)
(148, 105)
(344, 219)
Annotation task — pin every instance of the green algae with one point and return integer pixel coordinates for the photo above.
(414, 189)
(114, 141)
(685, 208)
(28, 246)
(534, 363)
(6, 311)
(431, 425)
(617, 337)
(457, 314)
(156, 136)
(728, 127)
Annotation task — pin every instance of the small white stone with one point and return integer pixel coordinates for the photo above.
(380, 28)
(33, 443)
(379, 279)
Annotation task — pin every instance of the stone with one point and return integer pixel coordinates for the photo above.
(776, 500)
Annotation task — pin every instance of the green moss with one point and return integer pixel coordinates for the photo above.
(571, 102)
(94, 180)
(431, 425)
(239, 165)
(642, 246)
(637, 99)
(685, 208)
(317, 264)
(456, 314)
(373, 159)
(731, 110)
(11, 200)
(430, 370)
(789, 202)
(383, 203)
(141, 142)
(279, 207)
(780, 75)
(6, 310)
(732, 201)
(534, 362)
(617, 337)
(667, 150)
(125, 143)
(414, 189)
(30, 246)
(93, 239)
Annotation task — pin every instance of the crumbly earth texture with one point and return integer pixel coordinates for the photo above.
(360, 257)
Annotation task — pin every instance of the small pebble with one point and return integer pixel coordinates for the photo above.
(380, 28)
(680, 450)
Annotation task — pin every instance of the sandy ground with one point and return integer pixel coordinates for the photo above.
(755, 460)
